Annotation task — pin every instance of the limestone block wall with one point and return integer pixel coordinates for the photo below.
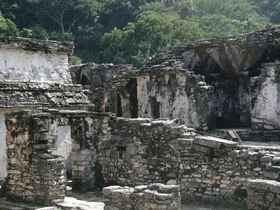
(162, 91)
(108, 86)
(220, 173)
(32, 95)
(265, 112)
(152, 197)
(67, 146)
(173, 95)
(263, 194)
(139, 151)
(35, 173)
(30, 60)
(142, 151)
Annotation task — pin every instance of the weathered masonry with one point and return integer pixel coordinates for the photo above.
(220, 83)
(34, 75)
(44, 147)
(162, 124)
(227, 84)
(243, 73)
(29, 60)
(154, 196)
(157, 92)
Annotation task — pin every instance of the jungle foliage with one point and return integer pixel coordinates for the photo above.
(128, 31)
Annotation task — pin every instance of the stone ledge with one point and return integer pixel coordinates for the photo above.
(73, 204)
(45, 46)
(262, 184)
(214, 142)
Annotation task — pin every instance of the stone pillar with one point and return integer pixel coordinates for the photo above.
(48, 169)
(35, 174)
(19, 144)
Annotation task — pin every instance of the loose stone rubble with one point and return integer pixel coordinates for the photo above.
(153, 197)
(190, 120)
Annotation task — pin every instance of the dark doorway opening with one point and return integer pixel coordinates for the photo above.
(119, 106)
(230, 103)
(133, 100)
(232, 121)
(155, 108)
(84, 80)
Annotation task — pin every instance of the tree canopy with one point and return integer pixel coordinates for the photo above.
(128, 31)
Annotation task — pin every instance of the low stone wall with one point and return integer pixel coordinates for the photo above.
(263, 194)
(143, 151)
(139, 152)
(214, 170)
(152, 197)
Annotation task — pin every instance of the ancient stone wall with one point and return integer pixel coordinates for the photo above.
(164, 92)
(207, 168)
(221, 173)
(263, 194)
(265, 112)
(45, 148)
(87, 132)
(108, 86)
(243, 72)
(15, 96)
(34, 95)
(139, 152)
(30, 60)
(35, 173)
(152, 197)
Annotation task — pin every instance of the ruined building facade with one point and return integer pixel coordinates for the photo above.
(188, 120)
(223, 83)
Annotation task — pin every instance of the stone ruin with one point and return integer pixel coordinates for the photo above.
(202, 120)
(153, 197)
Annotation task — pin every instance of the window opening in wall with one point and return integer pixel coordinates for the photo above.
(133, 100)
